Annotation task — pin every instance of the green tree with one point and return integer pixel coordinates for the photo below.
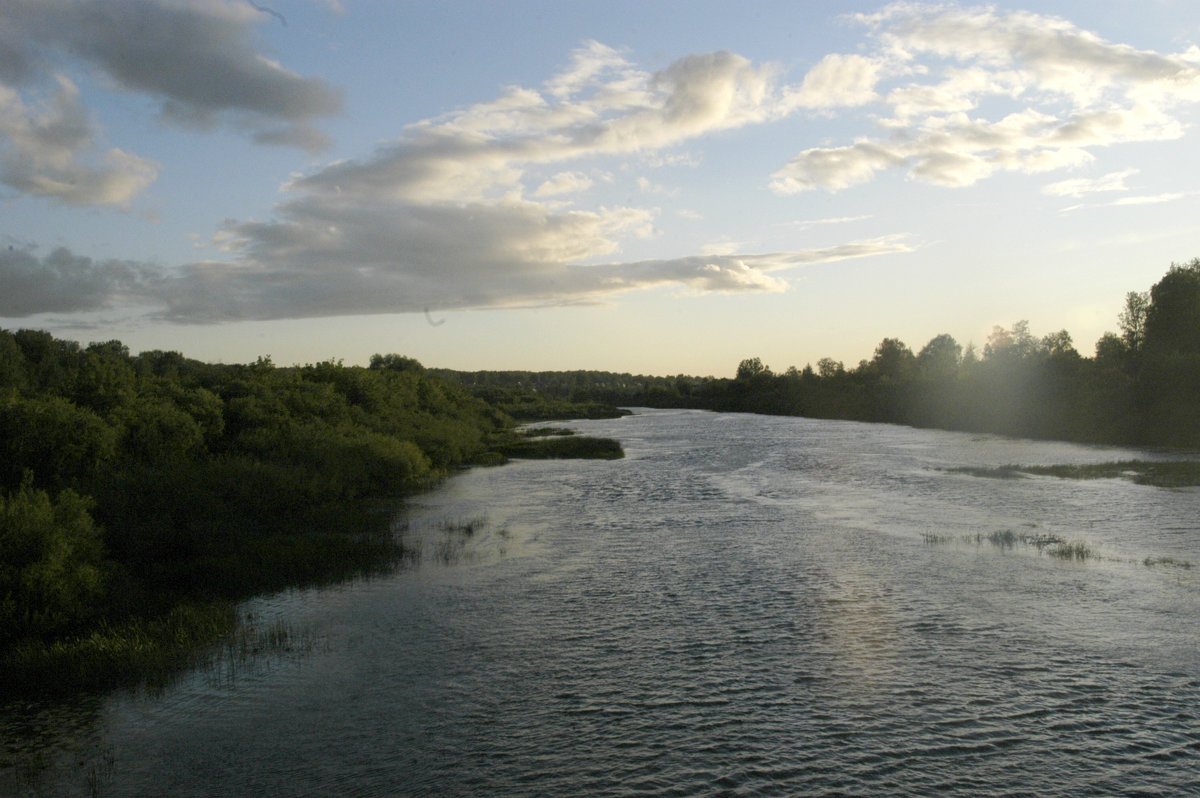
(1173, 317)
(752, 368)
(62, 444)
(1133, 319)
(940, 358)
(51, 562)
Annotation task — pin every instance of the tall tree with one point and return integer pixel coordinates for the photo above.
(1173, 316)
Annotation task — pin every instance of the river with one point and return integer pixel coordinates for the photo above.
(744, 605)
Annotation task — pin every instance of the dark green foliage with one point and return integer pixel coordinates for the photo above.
(203, 480)
(1172, 319)
(51, 562)
(558, 447)
(61, 443)
(136, 649)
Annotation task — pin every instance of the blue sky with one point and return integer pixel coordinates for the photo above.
(648, 187)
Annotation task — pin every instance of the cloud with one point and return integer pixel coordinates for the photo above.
(63, 282)
(198, 58)
(1148, 199)
(803, 223)
(462, 210)
(837, 81)
(1066, 91)
(1078, 187)
(51, 152)
(564, 183)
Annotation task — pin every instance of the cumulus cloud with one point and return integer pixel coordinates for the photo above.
(838, 80)
(935, 68)
(50, 152)
(464, 210)
(564, 183)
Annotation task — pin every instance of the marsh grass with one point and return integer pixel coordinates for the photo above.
(1051, 545)
(1160, 473)
(253, 646)
(446, 544)
(137, 650)
(1169, 562)
(100, 772)
(541, 432)
(563, 447)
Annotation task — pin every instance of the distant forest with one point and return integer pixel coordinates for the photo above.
(1141, 387)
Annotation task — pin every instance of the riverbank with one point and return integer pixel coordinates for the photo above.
(141, 496)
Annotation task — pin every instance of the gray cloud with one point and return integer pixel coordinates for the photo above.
(197, 58)
(63, 282)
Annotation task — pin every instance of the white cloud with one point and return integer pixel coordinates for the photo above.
(1067, 92)
(837, 80)
(830, 220)
(648, 186)
(1078, 187)
(564, 183)
(52, 152)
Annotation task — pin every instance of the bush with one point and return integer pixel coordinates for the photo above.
(51, 562)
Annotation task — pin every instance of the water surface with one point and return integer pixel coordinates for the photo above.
(745, 605)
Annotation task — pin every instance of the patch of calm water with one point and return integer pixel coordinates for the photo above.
(744, 605)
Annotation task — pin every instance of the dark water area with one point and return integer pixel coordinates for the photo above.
(744, 605)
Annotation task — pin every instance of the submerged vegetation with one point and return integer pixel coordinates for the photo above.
(1043, 543)
(141, 495)
(1161, 473)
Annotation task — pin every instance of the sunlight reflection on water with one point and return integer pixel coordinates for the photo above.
(742, 605)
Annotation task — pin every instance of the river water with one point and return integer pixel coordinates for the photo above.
(744, 605)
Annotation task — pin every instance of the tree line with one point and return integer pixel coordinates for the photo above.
(1141, 386)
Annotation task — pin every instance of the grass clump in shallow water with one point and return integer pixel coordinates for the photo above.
(139, 649)
(562, 447)
(1160, 473)
(1051, 545)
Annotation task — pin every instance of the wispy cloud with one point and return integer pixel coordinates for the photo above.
(1066, 92)
(804, 223)
(1081, 186)
(1146, 199)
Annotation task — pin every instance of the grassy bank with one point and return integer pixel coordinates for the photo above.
(146, 649)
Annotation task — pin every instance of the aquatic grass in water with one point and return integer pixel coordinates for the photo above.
(1163, 474)
(1009, 538)
(254, 647)
(146, 650)
(1050, 545)
(446, 541)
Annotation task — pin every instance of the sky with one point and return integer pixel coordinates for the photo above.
(646, 187)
